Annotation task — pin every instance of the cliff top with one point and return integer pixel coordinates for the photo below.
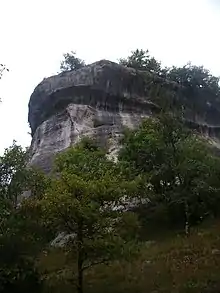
(98, 83)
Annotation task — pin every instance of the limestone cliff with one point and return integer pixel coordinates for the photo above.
(99, 100)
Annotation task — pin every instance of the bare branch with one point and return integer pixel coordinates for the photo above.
(103, 261)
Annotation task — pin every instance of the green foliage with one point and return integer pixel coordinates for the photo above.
(18, 247)
(71, 62)
(19, 244)
(23, 278)
(193, 89)
(16, 177)
(194, 76)
(21, 235)
(200, 89)
(36, 182)
(86, 201)
(13, 173)
(141, 60)
(177, 164)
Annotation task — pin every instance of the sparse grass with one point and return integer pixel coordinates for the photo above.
(174, 264)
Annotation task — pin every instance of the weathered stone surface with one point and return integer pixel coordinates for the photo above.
(99, 100)
(103, 84)
(66, 128)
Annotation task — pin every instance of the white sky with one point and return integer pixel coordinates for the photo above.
(35, 33)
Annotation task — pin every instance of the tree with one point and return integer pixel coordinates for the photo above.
(2, 69)
(194, 76)
(141, 60)
(22, 237)
(177, 164)
(200, 89)
(18, 249)
(16, 177)
(71, 62)
(13, 173)
(197, 90)
(21, 233)
(86, 202)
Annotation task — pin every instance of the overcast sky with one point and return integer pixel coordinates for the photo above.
(35, 33)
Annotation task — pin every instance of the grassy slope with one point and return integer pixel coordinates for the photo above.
(174, 264)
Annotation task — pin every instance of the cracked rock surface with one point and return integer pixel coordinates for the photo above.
(99, 101)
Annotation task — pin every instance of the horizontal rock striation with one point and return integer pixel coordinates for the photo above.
(99, 100)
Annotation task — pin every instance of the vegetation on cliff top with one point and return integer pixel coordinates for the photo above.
(196, 90)
(71, 62)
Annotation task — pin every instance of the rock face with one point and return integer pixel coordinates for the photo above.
(99, 100)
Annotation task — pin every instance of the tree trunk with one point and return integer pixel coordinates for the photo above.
(80, 277)
(187, 227)
(80, 259)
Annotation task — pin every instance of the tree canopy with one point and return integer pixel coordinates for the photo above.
(85, 202)
(19, 229)
(178, 164)
(141, 60)
(71, 62)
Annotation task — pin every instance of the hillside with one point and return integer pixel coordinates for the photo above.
(168, 262)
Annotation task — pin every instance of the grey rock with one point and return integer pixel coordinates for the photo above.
(99, 101)
(149, 243)
(216, 251)
(62, 239)
(103, 84)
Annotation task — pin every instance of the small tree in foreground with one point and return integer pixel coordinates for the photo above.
(86, 202)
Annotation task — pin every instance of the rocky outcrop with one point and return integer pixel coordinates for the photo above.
(99, 100)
